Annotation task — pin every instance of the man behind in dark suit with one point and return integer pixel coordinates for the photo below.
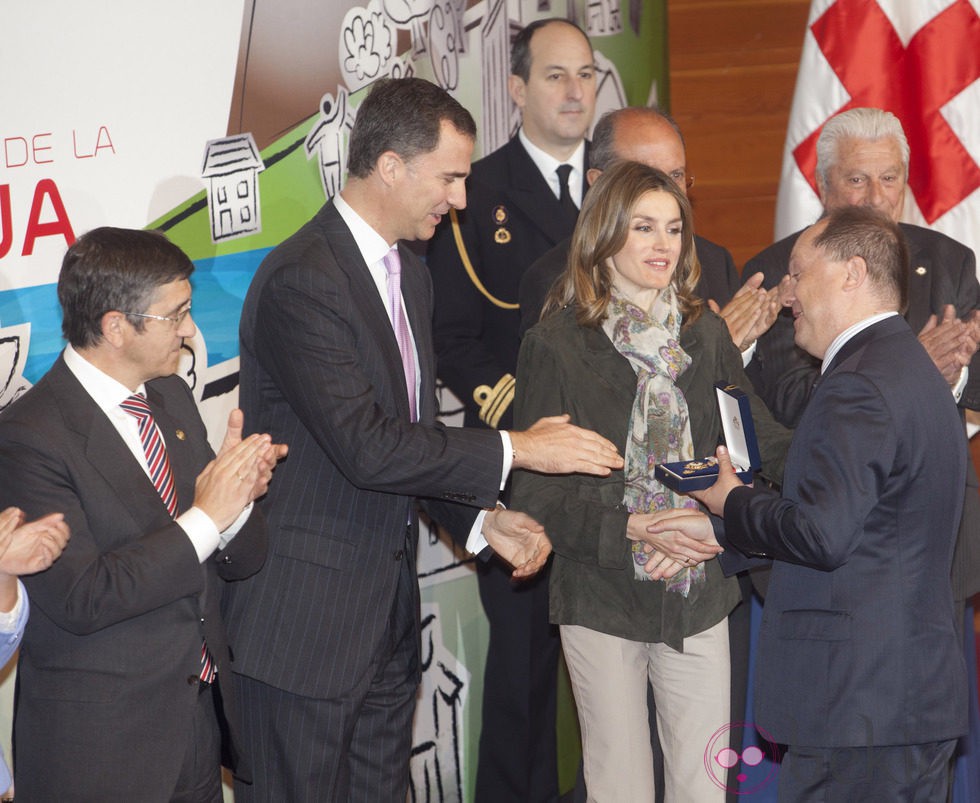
(337, 360)
(860, 667)
(863, 160)
(519, 206)
(117, 698)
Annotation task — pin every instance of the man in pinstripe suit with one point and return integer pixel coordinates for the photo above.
(326, 636)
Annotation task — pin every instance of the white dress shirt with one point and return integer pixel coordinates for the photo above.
(373, 248)
(108, 394)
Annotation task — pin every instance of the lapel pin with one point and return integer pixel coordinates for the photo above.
(920, 271)
(500, 215)
(180, 435)
(501, 236)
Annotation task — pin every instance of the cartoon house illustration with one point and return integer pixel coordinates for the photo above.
(232, 166)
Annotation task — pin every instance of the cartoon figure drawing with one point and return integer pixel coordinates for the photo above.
(232, 166)
(14, 341)
(602, 17)
(437, 756)
(367, 45)
(326, 139)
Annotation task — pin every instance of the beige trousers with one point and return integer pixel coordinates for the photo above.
(609, 680)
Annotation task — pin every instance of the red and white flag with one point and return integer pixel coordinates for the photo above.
(920, 60)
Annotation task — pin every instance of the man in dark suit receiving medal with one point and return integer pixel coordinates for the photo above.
(860, 664)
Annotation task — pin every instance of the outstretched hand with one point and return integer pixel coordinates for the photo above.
(518, 539)
(554, 445)
(714, 497)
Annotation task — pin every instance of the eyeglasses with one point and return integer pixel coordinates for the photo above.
(176, 320)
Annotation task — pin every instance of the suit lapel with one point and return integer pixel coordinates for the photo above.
(922, 274)
(416, 290)
(367, 301)
(610, 367)
(183, 462)
(528, 190)
(106, 452)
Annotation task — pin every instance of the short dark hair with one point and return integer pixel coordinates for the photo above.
(110, 269)
(864, 232)
(403, 115)
(602, 152)
(520, 50)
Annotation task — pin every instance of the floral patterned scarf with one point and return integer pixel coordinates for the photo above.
(659, 430)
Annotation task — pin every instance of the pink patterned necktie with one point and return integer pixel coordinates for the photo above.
(393, 265)
(162, 477)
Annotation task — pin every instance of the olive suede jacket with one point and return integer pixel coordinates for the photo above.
(567, 368)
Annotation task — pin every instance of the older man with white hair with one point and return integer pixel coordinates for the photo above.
(863, 160)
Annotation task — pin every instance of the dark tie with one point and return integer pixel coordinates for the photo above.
(568, 208)
(162, 477)
(393, 265)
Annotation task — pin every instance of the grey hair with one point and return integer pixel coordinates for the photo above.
(864, 123)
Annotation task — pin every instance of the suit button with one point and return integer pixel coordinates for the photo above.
(399, 554)
(192, 679)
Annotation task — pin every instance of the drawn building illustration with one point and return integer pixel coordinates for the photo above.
(232, 166)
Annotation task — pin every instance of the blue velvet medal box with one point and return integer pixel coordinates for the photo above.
(736, 416)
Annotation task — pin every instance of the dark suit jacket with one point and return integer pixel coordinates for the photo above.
(719, 278)
(942, 272)
(859, 643)
(568, 368)
(477, 341)
(321, 371)
(107, 688)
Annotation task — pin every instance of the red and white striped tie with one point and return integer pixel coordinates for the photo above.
(155, 450)
(162, 477)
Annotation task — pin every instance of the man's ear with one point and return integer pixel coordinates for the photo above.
(389, 166)
(821, 189)
(855, 273)
(113, 325)
(517, 89)
(592, 174)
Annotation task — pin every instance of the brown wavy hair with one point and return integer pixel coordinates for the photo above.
(601, 232)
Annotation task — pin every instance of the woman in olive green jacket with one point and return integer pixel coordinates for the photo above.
(630, 352)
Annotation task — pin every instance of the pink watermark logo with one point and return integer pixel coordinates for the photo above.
(754, 773)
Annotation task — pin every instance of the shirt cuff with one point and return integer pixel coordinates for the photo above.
(476, 542)
(508, 460)
(748, 354)
(201, 530)
(227, 535)
(960, 385)
(9, 619)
